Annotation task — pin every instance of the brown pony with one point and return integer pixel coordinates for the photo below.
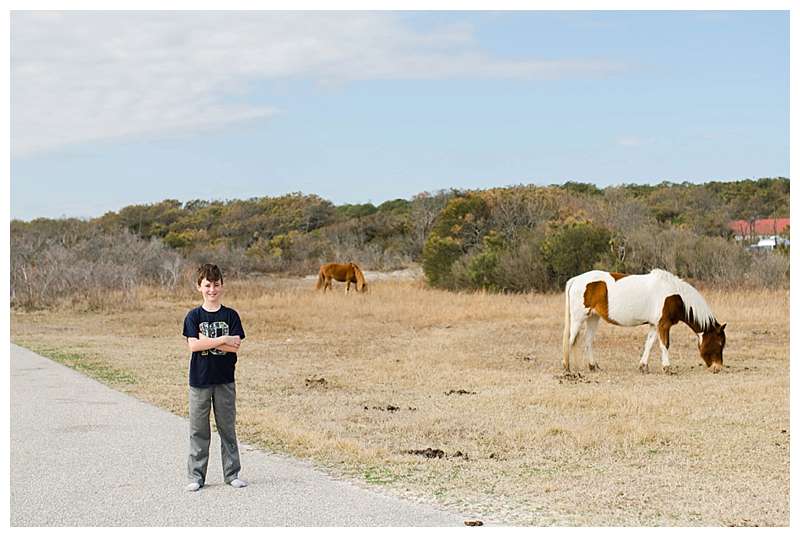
(348, 272)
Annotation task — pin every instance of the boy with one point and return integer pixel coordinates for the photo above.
(215, 334)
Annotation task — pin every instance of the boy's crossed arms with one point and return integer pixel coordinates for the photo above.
(221, 343)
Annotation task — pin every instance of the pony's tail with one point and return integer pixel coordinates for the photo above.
(566, 344)
(320, 279)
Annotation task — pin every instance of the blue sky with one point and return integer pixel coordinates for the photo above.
(112, 109)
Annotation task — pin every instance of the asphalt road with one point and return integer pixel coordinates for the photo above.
(83, 454)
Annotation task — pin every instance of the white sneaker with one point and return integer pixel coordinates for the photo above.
(194, 486)
(238, 483)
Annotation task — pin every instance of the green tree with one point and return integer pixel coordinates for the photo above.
(482, 267)
(348, 211)
(438, 257)
(574, 248)
(575, 187)
(458, 229)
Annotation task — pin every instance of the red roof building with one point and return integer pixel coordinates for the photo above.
(763, 227)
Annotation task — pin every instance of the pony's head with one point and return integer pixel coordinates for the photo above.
(711, 344)
(361, 282)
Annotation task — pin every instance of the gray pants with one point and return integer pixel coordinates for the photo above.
(223, 399)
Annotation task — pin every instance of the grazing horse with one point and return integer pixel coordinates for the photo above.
(347, 272)
(659, 299)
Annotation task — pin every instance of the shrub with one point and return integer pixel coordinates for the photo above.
(521, 267)
(573, 248)
(99, 270)
(457, 230)
(481, 268)
(768, 269)
(438, 257)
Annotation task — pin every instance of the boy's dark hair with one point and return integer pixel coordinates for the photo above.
(209, 272)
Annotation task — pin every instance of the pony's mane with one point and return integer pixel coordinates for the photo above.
(693, 303)
(359, 275)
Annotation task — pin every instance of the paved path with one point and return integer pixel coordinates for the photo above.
(83, 454)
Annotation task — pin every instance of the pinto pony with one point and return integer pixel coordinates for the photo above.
(658, 299)
(347, 272)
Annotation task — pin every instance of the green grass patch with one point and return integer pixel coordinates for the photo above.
(379, 476)
(87, 365)
(534, 470)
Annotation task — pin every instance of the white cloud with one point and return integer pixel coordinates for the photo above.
(84, 76)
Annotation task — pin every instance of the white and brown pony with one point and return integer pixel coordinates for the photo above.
(347, 272)
(658, 299)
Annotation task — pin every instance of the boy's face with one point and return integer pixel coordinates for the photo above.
(212, 291)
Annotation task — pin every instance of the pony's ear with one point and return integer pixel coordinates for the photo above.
(722, 328)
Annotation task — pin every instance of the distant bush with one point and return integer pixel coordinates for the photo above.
(458, 229)
(768, 269)
(573, 248)
(438, 257)
(477, 240)
(513, 239)
(521, 266)
(348, 211)
(480, 269)
(97, 271)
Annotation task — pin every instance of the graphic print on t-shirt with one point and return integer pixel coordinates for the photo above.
(211, 330)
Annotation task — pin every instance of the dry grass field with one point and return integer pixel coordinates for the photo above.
(358, 383)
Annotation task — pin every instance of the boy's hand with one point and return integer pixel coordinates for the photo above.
(233, 341)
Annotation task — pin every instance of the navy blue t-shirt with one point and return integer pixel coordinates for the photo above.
(212, 366)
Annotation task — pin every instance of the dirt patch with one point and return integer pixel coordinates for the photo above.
(431, 453)
(460, 392)
(388, 408)
(316, 382)
(742, 522)
(732, 368)
(428, 453)
(407, 274)
(575, 377)
(762, 332)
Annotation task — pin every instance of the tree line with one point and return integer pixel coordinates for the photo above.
(511, 239)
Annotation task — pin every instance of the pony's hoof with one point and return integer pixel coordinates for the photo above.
(667, 370)
(643, 368)
(594, 367)
(716, 368)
